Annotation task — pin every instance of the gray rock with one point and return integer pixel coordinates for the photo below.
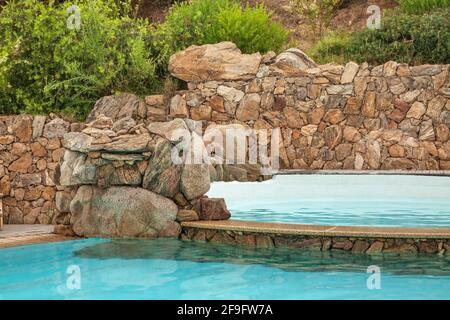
(3, 128)
(125, 144)
(26, 180)
(162, 176)
(426, 70)
(38, 126)
(77, 141)
(101, 122)
(125, 176)
(292, 62)
(62, 201)
(75, 171)
(56, 128)
(195, 180)
(340, 89)
(125, 123)
(122, 157)
(178, 107)
(230, 94)
(98, 133)
(117, 107)
(173, 130)
(121, 212)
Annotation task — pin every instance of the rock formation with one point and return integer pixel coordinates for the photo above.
(124, 181)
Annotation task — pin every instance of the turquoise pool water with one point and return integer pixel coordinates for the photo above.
(345, 200)
(171, 269)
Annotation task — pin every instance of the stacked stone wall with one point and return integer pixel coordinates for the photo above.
(362, 117)
(30, 149)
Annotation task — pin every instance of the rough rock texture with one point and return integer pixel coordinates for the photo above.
(30, 148)
(121, 212)
(117, 107)
(330, 116)
(213, 209)
(293, 62)
(369, 246)
(335, 117)
(125, 183)
(222, 61)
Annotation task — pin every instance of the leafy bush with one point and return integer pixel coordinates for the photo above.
(47, 67)
(422, 6)
(332, 48)
(318, 12)
(413, 39)
(212, 21)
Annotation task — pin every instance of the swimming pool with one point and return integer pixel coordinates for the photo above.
(172, 269)
(341, 199)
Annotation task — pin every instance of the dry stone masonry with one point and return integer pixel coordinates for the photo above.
(391, 116)
(30, 149)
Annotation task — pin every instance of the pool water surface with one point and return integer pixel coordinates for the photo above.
(171, 269)
(343, 200)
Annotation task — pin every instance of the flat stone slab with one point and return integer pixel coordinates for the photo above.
(20, 230)
(324, 231)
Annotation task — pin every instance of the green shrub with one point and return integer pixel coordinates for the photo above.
(332, 48)
(46, 67)
(422, 6)
(413, 39)
(212, 21)
(318, 12)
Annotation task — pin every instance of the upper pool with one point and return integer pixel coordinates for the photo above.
(341, 199)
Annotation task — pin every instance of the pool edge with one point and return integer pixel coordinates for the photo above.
(355, 239)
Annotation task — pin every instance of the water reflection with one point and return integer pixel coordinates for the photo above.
(285, 259)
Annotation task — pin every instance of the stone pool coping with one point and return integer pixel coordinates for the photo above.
(322, 231)
(360, 240)
(26, 240)
(19, 235)
(441, 173)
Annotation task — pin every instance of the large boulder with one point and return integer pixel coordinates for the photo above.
(221, 61)
(122, 212)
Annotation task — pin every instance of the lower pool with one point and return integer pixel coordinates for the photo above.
(341, 199)
(171, 269)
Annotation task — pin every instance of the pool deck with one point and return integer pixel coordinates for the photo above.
(22, 234)
(322, 231)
